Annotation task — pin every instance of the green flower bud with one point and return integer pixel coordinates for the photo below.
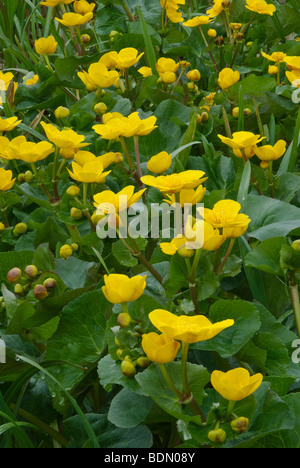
(124, 319)
(2, 227)
(21, 178)
(18, 289)
(296, 245)
(73, 191)
(31, 271)
(143, 362)
(100, 108)
(14, 275)
(75, 247)
(62, 112)
(240, 425)
(218, 436)
(20, 228)
(50, 283)
(128, 368)
(185, 252)
(28, 176)
(40, 292)
(85, 39)
(75, 213)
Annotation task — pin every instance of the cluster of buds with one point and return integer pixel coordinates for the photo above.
(19, 229)
(130, 357)
(25, 177)
(23, 282)
(67, 250)
(238, 425)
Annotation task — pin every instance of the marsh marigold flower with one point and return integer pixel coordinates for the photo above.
(160, 348)
(74, 19)
(198, 21)
(167, 69)
(6, 125)
(276, 57)
(145, 71)
(126, 58)
(90, 172)
(269, 153)
(226, 215)
(27, 151)
(6, 180)
(261, 7)
(31, 81)
(120, 288)
(82, 7)
(243, 144)
(172, 7)
(117, 202)
(45, 45)
(160, 163)
(188, 329)
(187, 196)
(65, 139)
(236, 384)
(54, 3)
(98, 76)
(173, 183)
(216, 9)
(228, 77)
(5, 80)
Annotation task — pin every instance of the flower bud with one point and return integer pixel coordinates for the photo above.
(31, 271)
(85, 39)
(235, 112)
(95, 218)
(62, 112)
(143, 362)
(40, 292)
(2, 227)
(73, 191)
(75, 247)
(193, 75)
(247, 111)
(67, 153)
(20, 228)
(21, 177)
(212, 33)
(14, 275)
(273, 70)
(240, 425)
(75, 213)
(66, 251)
(218, 436)
(124, 319)
(18, 289)
(100, 108)
(50, 283)
(128, 368)
(28, 176)
(119, 353)
(296, 245)
(219, 41)
(185, 252)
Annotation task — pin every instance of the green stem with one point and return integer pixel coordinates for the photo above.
(137, 156)
(127, 11)
(125, 307)
(184, 358)
(138, 254)
(126, 152)
(230, 407)
(54, 175)
(195, 264)
(271, 184)
(294, 291)
(207, 46)
(231, 244)
(169, 381)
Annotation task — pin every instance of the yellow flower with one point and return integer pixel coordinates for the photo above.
(193, 75)
(45, 45)
(171, 248)
(83, 157)
(27, 151)
(212, 33)
(135, 126)
(293, 75)
(198, 21)
(6, 125)
(120, 288)
(172, 7)
(187, 196)
(109, 59)
(292, 62)
(116, 125)
(164, 65)
(90, 172)
(202, 234)
(160, 348)
(5, 80)
(31, 81)
(117, 202)
(226, 215)
(126, 58)
(261, 7)
(173, 183)
(74, 19)
(243, 143)
(216, 9)
(236, 384)
(66, 139)
(228, 77)
(82, 7)
(145, 71)
(273, 70)
(160, 163)
(268, 153)
(188, 329)
(98, 76)
(6, 180)
(277, 57)
(54, 3)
